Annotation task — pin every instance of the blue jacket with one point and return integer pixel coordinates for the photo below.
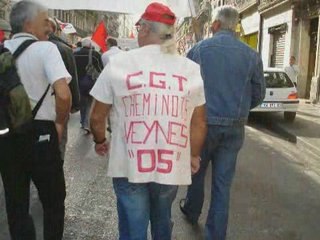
(233, 78)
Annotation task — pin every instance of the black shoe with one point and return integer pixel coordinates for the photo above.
(191, 220)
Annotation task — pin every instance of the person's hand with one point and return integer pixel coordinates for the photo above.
(60, 129)
(195, 164)
(102, 148)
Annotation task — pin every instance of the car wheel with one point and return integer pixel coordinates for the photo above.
(289, 116)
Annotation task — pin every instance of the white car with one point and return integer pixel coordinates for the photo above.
(281, 94)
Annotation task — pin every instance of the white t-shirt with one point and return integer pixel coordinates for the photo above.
(153, 96)
(293, 72)
(106, 56)
(39, 65)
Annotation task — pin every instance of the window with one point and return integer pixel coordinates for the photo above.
(277, 80)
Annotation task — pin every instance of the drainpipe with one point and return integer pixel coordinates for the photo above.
(260, 35)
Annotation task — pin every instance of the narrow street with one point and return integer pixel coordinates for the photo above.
(275, 194)
(276, 189)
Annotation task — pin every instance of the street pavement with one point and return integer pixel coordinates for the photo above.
(275, 195)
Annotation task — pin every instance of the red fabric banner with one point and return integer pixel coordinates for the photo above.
(100, 36)
(131, 35)
(2, 35)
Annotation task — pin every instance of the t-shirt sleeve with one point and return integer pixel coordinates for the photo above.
(105, 59)
(102, 89)
(197, 88)
(54, 65)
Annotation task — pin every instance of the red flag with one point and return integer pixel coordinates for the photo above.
(2, 36)
(131, 35)
(100, 36)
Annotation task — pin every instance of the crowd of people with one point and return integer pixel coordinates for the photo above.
(170, 117)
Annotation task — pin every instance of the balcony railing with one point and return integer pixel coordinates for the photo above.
(265, 4)
(307, 8)
(241, 4)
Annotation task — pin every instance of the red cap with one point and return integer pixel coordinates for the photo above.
(157, 12)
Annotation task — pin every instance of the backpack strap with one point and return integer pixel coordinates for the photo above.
(23, 46)
(90, 56)
(39, 103)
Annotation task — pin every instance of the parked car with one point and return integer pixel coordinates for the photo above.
(281, 94)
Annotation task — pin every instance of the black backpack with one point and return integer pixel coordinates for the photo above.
(16, 115)
(87, 82)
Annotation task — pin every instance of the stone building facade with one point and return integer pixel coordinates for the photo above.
(291, 28)
(84, 21)
(277, 29)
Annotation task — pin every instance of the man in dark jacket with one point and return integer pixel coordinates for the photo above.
(82, 60)
(67, 56)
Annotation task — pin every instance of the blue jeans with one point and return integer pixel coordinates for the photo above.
(85, 106)
(221, 147)
(139, 203)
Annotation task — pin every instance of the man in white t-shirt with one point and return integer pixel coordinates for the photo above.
(292, 70)
(35, 155)
(113, 49)
(156, 103)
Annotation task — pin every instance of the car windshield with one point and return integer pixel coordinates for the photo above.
(277, 80)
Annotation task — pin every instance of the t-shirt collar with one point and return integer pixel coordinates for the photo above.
(24, 35)
(152, 48)
(224, 32)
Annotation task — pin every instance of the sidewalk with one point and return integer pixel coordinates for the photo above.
(305, 128)
(308, 109)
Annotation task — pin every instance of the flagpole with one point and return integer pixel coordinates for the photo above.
(124, 25)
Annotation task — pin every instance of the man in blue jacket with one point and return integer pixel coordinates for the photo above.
(234, 84)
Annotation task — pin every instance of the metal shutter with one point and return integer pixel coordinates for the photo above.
(278, 49)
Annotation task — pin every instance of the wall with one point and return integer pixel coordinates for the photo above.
(250, 22)
(315, 82)
(301, 51)
(278, 17)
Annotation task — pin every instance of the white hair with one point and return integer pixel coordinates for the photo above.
(24, 11)
(166, 34)
(86, 42)
(227, 15)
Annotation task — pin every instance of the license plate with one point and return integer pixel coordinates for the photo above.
(271, 105)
